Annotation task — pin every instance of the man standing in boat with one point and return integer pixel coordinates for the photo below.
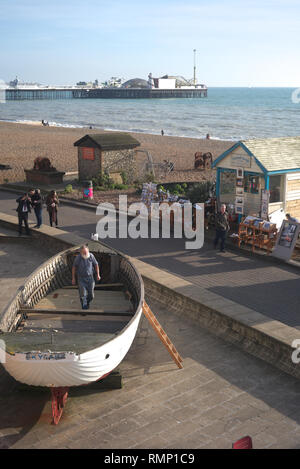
(84, 266)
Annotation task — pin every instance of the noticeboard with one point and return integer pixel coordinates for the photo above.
(286, 240)
(88, 153)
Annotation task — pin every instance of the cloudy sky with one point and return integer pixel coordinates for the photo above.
(238, 42)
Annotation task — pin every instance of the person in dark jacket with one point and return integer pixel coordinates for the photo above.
(36, 202)
(23, 209)
(52, 206)
(222, 227)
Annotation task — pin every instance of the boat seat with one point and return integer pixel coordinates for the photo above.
(77, 342)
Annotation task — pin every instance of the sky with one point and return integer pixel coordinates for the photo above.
(238, 42)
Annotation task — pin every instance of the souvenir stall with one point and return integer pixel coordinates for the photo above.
(258, 178)
(150, 194)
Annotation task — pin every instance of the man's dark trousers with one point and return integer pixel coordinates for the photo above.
(220, 235)
(23, 217)
(38, 214)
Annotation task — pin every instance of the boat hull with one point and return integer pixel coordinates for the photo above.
(74, 370)
(65, 367)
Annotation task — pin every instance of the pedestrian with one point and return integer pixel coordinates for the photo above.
(222, 227)
(23, 210)
(84, 266)
(291, 219)
(52, 207)
(36, 202)
(162, 133)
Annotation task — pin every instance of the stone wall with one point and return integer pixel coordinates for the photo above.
(120, 160)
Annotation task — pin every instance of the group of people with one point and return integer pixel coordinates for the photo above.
(34, 200)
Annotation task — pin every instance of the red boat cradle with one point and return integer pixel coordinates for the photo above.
(59, 398)
(243, 443)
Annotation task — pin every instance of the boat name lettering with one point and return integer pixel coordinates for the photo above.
(45, 356)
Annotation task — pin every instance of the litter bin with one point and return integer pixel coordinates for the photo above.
(87, 189)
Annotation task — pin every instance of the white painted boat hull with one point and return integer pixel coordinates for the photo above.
(66, 368)
(74, 370)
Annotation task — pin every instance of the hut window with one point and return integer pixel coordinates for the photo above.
(228, 182)
(88, 153)
(251, 184)
(276, 189)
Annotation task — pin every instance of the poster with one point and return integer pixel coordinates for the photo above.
(287, 234)
(286, 240)
(265, 197)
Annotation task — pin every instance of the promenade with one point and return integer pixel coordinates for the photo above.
(220, 395)
(269, 288)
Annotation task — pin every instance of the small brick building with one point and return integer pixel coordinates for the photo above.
(110, 152)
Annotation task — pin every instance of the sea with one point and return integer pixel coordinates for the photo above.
(226, 114)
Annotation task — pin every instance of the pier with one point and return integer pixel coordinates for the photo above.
(21, 94)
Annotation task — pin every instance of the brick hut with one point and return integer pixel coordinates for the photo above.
(112, 152)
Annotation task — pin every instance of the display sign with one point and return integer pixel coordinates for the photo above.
(88, 153)
(265, 197)
(241, 161)
(286, 240)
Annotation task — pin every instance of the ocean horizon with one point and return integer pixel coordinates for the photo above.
(228, 113)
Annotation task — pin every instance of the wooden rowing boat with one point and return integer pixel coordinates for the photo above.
(48, 342)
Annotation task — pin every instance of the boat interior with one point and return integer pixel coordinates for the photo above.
(54, 320)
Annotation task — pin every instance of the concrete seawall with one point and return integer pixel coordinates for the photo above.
(249, 330)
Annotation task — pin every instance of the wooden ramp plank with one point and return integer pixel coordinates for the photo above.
(162, 335)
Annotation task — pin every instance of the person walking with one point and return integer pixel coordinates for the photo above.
(84, 266)
(222, 227)
(52, 207)
(36, 202)
(23, 210)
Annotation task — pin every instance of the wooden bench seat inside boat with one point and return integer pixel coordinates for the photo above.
(39, 322)
(78, 342)
(66, 301)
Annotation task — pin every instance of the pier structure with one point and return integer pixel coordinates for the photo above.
(21, 94)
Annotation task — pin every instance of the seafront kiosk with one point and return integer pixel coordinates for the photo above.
(258, 177)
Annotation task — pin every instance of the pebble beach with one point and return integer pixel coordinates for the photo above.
(20, 144)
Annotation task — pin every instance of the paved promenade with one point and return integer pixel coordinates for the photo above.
(268, 288)
(220, 395)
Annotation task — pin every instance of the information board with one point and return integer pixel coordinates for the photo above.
(286, 240)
